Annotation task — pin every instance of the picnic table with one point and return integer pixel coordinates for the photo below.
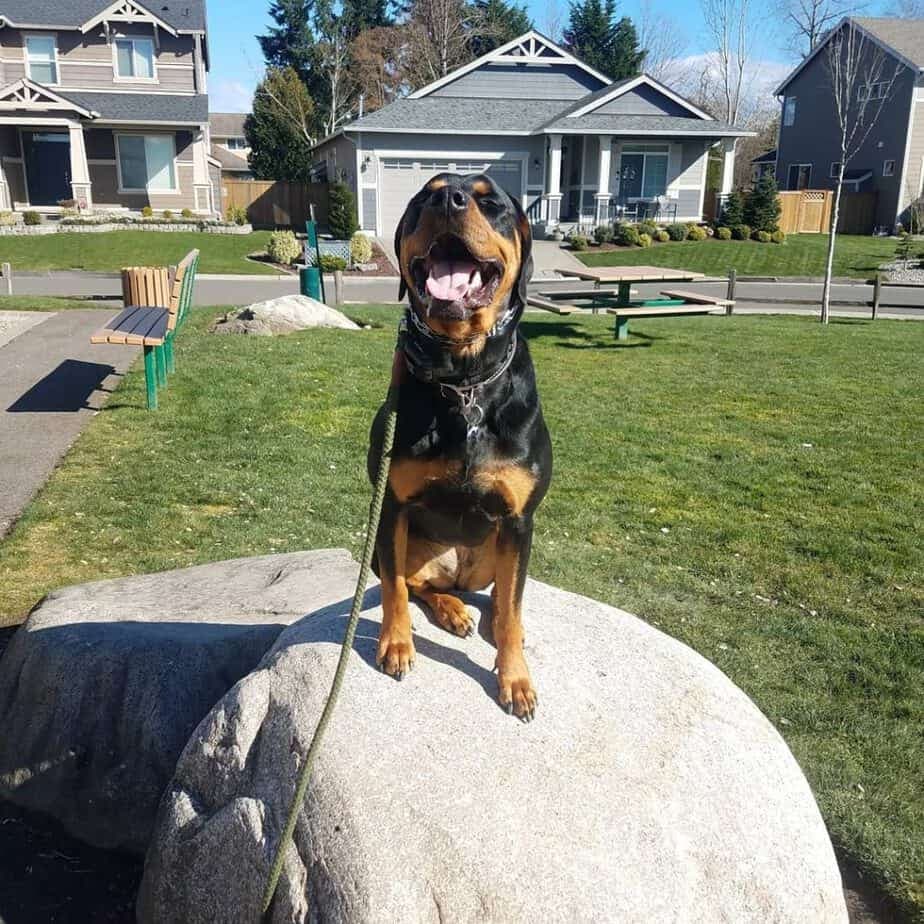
(618, 301)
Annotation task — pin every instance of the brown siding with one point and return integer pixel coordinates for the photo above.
(913, 179)
(106, 191)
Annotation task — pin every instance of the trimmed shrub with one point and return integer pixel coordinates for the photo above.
(283, 247)
(733, 209)
(186, 213)
(644, 240)
(360, 248)
(648, 227)
(330, 263)
(778, 237)
(578, 241)
(236, 214)
(147, 212)
(678, 232)
(723, 233)
(662, 237)
(31, 218)
(7, 218)
(627, 235)
(763, 237)
(603, 234)
(341, 212)
(168, 215)
(740, 232)
(762, 208)
(697, 233)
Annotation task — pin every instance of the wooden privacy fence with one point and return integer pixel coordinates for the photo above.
(276, 203)
(808, 211)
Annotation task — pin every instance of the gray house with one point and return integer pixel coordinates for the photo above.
(891, 161)
(105, 103)
(572, 145)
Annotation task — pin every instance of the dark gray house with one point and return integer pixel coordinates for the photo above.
(891, 161)
(571, 144)
(105, 103)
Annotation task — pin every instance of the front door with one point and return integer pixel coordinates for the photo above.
(631, 167)
(48, 166)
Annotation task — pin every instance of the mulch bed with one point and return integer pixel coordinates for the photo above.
(383, 267)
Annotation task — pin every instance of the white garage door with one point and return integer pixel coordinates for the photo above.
(402, 177)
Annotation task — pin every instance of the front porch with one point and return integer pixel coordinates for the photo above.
(595, 179)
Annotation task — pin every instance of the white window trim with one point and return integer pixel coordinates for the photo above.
(791, 122)
(116, 76)
(892, 171)
(157, 192)
(808, 184)
(57, 60)
(835, 169)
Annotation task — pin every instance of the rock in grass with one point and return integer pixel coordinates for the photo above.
(103, 685)
(282, 316)
(649, 787)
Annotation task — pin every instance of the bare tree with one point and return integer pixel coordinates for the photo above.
(553, 20)
(438, 37)
(285, 96)
(334, 51)
(731, 25)
(810, 20)
(665, 44)
(376, 65)
(860, 77)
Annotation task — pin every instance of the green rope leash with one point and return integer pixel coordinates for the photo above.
(304, 773)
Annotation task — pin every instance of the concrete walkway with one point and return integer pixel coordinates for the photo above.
(52, 382)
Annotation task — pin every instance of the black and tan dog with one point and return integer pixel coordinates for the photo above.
(472, 457)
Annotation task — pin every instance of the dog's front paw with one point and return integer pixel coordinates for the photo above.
(395, 655)
(516, 695)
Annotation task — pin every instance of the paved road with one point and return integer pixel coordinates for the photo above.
(243, 290)
(52, 381)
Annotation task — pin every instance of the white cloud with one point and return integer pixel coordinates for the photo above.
(231, 95)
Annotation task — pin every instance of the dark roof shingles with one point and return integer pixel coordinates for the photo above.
(143, 107)
(183, 15)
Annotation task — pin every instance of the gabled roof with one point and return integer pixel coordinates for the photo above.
(230, 161)
(588, 104)
(901, 38)
(227, 124)
(179, 15)
(146, 108)
(125, 11)
(530, 48)
(641, 125)
(26, 94)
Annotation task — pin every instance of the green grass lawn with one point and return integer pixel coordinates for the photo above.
(110, 251)
(44, 303)
(749, 485)
(800, 255)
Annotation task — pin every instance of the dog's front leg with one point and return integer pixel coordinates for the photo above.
(396, 647)
(516, 692)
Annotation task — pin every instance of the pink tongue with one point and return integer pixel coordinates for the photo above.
(450, 281)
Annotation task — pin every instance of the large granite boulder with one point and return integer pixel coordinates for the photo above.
(283, 315)
(103, 685)
(649, 788)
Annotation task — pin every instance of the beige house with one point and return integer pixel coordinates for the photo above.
(229, 145)
(105, 104)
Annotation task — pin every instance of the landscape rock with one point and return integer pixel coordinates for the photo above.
(282, 315)
(649, 787)
(103, 685)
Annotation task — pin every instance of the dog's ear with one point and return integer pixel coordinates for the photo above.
(526, 250)
(399, 234)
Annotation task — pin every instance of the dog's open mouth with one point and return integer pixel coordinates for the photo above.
(451, 282)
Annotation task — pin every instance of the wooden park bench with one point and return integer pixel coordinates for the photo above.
(668, 309)
(155, 308)
(562, 301)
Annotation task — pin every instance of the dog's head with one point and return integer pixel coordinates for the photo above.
(464, 253)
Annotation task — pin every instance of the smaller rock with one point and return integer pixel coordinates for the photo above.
(281, 316)
(367, 267)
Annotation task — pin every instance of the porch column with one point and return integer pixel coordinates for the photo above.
(202, 185)
(603, 179)
(81, 188)
(553, 181)
(728, 165)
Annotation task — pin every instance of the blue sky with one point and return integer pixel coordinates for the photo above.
(237, 62)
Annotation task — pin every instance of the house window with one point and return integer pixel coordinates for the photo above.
(237, 144)
(871, 91)
(800, 176)
(643, 171)
(888, 168)
(134, 58)
(835, 169)
(789, 111)
(146, 163)
(42, 58)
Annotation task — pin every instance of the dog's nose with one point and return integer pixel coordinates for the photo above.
(458, 201)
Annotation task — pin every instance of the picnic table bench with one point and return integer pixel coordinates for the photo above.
(155, 307)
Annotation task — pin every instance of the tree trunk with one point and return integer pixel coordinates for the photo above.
(832, 240)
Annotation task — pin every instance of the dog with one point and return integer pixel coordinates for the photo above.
(472, 457)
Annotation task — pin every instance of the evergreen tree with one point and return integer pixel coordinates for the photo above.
(594, 36)
(627, 56)
(733, 209)
(292, 43)
(359, 15)
(341, 212)
(762, 208)
(497, 22)
(280, 128)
